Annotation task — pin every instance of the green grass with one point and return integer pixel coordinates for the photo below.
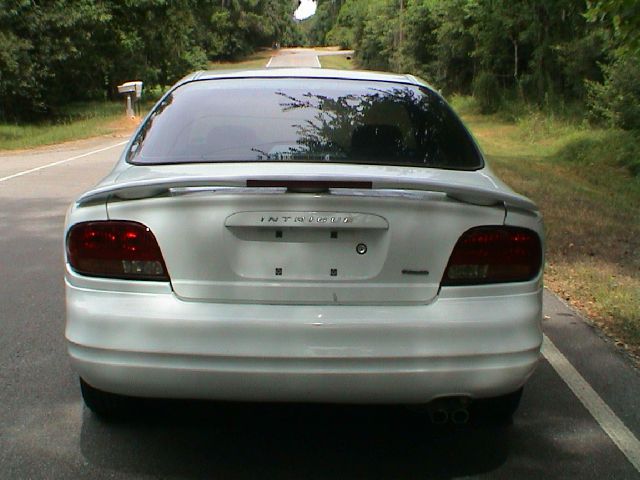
(339, 62)
(254, 61)
(614, 148)
(76, 122)
(261, 58)
(584, 180)
(90, 119)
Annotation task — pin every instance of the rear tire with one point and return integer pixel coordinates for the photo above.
(105, 404)
(499, 410)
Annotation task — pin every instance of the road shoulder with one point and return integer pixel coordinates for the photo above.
(608, 369)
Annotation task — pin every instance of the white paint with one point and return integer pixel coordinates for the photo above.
(59, 162)
(269, 62)
(624, 439)
(306, 9)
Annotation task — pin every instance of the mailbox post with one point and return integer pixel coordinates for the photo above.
(133, 92)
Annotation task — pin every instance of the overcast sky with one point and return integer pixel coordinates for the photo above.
(306, 9)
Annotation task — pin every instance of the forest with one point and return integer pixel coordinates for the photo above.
(570, 54)
(559, 54)
(60, 51)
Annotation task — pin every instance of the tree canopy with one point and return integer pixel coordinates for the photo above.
(539, 51)
(542, 52)
(57, 51)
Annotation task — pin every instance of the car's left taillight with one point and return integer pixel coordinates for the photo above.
(494, 254)
(115, 249)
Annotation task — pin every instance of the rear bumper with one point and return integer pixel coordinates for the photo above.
(156, 345)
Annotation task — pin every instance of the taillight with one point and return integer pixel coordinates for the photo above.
(115, 249)
(494, 255)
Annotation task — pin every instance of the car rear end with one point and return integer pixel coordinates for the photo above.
(350, 257)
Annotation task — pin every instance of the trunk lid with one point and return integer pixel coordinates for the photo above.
(339, 246)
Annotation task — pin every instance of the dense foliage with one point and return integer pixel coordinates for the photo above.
(53, 52)
(316, 27)
(617, 98)
(544, 51)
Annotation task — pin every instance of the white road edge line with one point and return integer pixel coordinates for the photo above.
(624, 439)
(269, 62)
(318, 62)
(59, 162)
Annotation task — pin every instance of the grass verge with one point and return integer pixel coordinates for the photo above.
(261, 58)
(339, 62)
(256, 60)
(90, 119)
(82, 120)
(583, 180)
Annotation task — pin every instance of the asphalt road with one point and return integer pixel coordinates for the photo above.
(295, 57)
(45, 432)
(302, 57)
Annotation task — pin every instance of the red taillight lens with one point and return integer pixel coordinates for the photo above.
(494, 255)
(115, 249)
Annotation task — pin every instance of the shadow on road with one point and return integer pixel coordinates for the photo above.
(33, 220)
(214, 440)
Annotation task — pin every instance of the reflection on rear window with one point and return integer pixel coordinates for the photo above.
(302, 119)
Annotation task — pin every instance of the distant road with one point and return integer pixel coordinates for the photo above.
(302, 57)
(295, 57)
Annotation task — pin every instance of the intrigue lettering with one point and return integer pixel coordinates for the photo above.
(309, 220)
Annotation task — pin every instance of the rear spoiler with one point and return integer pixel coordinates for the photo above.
(474, 194)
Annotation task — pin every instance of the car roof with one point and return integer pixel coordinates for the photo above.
(320, 73)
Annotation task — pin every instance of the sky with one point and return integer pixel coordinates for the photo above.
(306, 9)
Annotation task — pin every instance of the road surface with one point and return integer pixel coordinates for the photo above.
(579, 418)
(302, 57)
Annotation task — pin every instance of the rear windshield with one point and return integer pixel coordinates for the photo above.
(305, 120)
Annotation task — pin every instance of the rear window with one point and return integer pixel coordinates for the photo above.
(304, 120)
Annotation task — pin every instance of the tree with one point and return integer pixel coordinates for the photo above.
(349, 24)
(316, 27)
(616, 99)
(623, 15)
(52, 53)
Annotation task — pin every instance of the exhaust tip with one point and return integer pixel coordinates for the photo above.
(439, 416)
(460, 416)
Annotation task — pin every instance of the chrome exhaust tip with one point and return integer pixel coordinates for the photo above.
(439, 416)
(460, 416)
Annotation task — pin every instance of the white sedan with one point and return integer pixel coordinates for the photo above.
(304, 235)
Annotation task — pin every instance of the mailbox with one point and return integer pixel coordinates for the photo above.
(131, 87)
(133, 92)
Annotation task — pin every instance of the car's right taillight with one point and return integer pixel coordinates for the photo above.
(115, 249)
(494, 254)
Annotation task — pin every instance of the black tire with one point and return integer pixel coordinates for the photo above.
(498, 410)
(104, 404)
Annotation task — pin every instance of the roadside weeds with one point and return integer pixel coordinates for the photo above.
(85, 121)
(592, 217)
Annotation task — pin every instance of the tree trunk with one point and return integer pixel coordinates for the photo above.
(515, 59)
(401, 36)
